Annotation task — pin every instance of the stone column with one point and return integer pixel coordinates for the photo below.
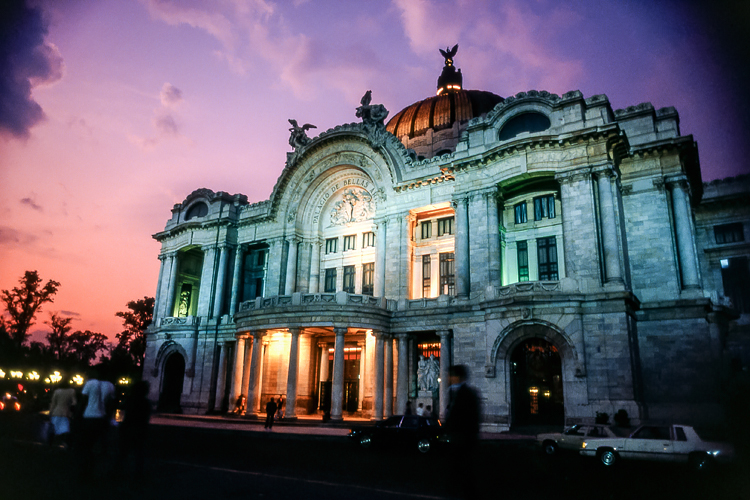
(172, 286)
(402, 382)
(378, 393)
(323, 372)
(379, 278)
(221, 376)
(462, 247)
(236, 276)
(445, 354)
(253, 390)
(388, 390)
(245, 388)
(239, 363)
(337, 391)
(291, 381)
(609, 228)
(684, 233)
(315, 268)
(291, 267)
(493, 243)
(220, 280)
(158, 297)
(362, 373)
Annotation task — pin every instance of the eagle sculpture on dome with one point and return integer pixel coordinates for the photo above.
(448, 54)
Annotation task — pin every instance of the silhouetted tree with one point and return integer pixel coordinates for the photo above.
(22, 303)
(132, 340)
(86, 346)
(58, 339)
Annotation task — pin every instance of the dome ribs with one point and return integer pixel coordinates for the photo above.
(423, 116)
(442, 116)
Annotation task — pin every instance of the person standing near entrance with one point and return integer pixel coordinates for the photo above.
(462, 427)
(270, 411)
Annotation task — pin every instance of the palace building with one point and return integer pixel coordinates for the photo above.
(550, 243)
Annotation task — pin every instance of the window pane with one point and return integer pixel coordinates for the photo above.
(331, 245)
(349, 279)
(426, 229)
(547, 254)
(520, 213)
(523, 261)
(729, 233)
(330, 283)
(368, 273)
(447, 274)
(426, 272)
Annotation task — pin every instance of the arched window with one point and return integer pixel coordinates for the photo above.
(525, 122)
(197, 210)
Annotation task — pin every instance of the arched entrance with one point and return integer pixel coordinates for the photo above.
(536, 383)
(171, 387)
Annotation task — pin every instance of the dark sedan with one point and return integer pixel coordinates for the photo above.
(400, 431)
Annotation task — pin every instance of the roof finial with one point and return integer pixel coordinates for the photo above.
(450, 80)
(448, 54)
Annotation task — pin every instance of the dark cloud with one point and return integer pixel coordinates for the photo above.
(72, 314)
(13, 237)
(26, 61)
(32, 204)
(170, 95)
(166, 125)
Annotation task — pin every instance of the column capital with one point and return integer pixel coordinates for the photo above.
(257, 334)
(294, 330)
(292, 238)
(677, 181)
(461, 199)
(401, 336)
(606, 169)
(443, 334)
(340, 330)
(572, 176)
(242, 336)
(379, 334)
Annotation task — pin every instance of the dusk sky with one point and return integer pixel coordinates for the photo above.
(113, 111)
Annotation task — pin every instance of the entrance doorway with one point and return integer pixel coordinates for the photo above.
(171, 389)
(536, 382)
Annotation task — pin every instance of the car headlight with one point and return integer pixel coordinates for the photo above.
(583, 445)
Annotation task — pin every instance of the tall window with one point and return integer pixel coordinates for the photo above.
(735, 275)
(330, 284)
(350, 242)
(368, 274)
(520, 213)
(547, 252)
(447, 274)
(331, 245)
(523, 261)
(445, 226)
(426, 272)
(368, 239)
(253, 273)
(544, 207)
(729, 233)
(426, 229)
(349, 279)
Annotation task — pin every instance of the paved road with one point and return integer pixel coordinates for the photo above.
(202, 458)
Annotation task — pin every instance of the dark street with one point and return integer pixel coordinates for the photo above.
(188, 462)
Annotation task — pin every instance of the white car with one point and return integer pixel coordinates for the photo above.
(573, 437)
(667, 443)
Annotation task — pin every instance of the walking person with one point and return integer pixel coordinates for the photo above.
(99, 402)
(61, 413)
(270, 411)
(462, 426)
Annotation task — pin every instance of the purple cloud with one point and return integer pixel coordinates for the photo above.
(29, 202)
(26, 61)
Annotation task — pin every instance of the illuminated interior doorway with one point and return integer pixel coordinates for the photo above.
(352, 359)
(171, 388)
(536, 378)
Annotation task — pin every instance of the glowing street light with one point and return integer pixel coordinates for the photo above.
(77, 379)
(55, 377)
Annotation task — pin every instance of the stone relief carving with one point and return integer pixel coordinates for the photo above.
(356, 205)
(428, 371)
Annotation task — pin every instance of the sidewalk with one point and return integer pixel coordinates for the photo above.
(308, 425)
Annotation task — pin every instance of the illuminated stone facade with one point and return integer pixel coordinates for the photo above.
(552, 249)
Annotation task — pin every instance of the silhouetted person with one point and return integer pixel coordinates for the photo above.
(134, 428)
(61, 412)
(239, 405)
(462, 426)
(270, 411)
(99, 403)
(407, 411)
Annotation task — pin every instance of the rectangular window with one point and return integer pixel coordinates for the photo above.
(729, 233)
(735, 275)
(368, 239)
(331, 245)
(544, 207)
(253, 273)
(445, 226)
(426, 272)
(426, 229)
(520, 212)
(447, 274)
(350, 242)
(330, 284)
(368, 275)
(349, 279)
(523, 261)
(547, 252)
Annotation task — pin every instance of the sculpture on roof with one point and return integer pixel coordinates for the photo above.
(299, 136)
(373, 118)
(448, 54)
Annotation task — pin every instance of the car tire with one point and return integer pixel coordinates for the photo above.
(424, 445)
(550, 448)
(365, 441)
(607, 457)
(699, 461)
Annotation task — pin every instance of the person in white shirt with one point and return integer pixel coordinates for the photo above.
(99, 397)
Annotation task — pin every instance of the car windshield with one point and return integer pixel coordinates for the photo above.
(576, 430)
